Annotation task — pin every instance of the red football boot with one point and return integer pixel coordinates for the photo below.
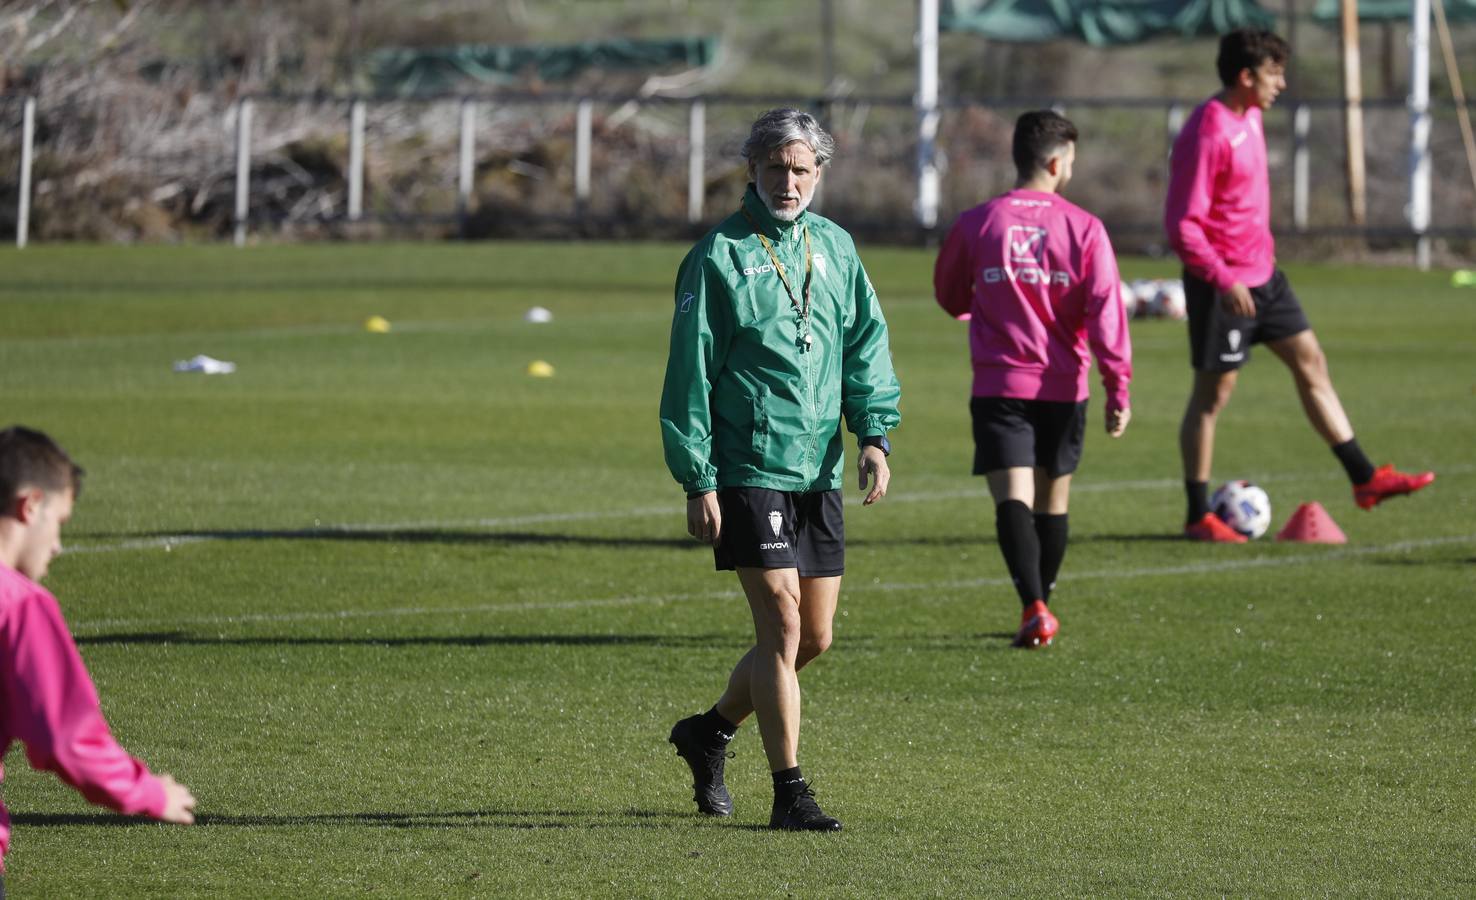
(1213, 529)
(1387, 483)
(1037, 626)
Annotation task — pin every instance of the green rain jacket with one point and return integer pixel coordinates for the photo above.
(745, 403)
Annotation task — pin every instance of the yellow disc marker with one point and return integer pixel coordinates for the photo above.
(540, 369)
(377, 324)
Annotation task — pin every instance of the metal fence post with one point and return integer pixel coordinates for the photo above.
(582, 127)
(243, 169)
(1173, 122)
(1301, 165)
(28, 137)
(468, 157)
(356, 161)
(1419, 131)
(696, 153)
(928, 176)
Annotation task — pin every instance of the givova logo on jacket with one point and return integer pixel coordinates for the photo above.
(1025, 259)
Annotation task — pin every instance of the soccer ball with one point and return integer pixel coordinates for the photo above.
(1144, 290)
(1169, 302)
(1244, 507)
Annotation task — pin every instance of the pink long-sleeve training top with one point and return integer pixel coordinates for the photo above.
(48, 703)
(1218, 212)
(1036, 277)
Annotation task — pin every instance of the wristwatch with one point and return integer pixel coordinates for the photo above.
(878, 441)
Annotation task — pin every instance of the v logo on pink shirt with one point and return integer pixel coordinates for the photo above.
(1027, 243)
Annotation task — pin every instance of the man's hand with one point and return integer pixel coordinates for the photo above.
(179, 803)
(1238, 302)
(872, 463)
(705, 518)
(1117, 420)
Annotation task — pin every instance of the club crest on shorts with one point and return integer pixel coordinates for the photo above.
(776, 521)
(1234, 337)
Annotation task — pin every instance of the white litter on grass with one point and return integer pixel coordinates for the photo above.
(538, 316)
(205, 365)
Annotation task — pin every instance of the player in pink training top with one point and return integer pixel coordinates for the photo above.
(47, 700)
(1218, 217)
(1036, 277)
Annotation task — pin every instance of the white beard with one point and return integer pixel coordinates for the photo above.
(787, 215)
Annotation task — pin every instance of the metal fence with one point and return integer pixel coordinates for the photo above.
(544, 164)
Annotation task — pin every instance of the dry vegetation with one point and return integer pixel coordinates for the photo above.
(137, 100)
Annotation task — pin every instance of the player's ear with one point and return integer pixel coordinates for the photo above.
(25, 505)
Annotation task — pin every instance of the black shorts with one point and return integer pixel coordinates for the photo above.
(1220, 342)
(766, 529)
(1012, 433)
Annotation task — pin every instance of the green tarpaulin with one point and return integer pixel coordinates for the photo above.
(1102, 23)
(407, 71)
(1391, 10)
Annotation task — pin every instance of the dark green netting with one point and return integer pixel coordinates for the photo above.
(407, 71)
(1102, 23)
(1391, 10)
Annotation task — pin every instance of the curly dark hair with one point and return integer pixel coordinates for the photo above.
(1247, 48)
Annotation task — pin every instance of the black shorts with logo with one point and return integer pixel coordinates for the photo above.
(1221, 342)
(766, 529)
(1013, 433)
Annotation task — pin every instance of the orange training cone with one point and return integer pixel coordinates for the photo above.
(1311, 524)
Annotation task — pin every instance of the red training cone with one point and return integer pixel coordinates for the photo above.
(1311, 524)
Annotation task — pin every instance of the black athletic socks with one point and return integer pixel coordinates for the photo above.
(1015, 525)
(1359, 469)
(716, 726)
(1199, 504)
(1051, 531)
(789, 782)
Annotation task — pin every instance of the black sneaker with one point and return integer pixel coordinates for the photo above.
(801, 813)
(706, 758)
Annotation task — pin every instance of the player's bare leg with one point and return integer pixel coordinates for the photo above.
(1209, 395)
(1303, 355)
(1054, 493)
(774, 599)
(779, 604)
(818, 600)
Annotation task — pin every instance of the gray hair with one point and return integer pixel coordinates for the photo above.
(780, 127)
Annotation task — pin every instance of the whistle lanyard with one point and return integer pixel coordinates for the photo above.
(803, 310)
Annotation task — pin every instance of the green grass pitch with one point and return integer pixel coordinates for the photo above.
(410, 622)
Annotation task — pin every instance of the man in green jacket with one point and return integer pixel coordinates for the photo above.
(777, 335)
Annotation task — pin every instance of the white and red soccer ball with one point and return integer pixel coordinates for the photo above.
(1159, 298)
(1244, 507)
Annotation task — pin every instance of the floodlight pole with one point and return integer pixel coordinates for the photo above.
(583, 126)
(926, 104)
(356, 161)
(1301, 165)
(465, 169)
(28, 137)
(1419, 130)
(696, 153)
(243, 169)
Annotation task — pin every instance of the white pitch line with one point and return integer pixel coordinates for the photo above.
(170, 541)
(855, 586)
